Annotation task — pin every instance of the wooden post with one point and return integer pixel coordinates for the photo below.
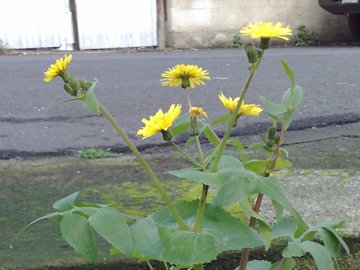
(72, 4)
(161, 18)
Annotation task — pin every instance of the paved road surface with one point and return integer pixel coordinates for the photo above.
(31, 124)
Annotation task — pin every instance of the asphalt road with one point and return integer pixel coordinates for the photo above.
(32, 120)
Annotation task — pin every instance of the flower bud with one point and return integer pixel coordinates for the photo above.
(166, 135)
(251, 53)
(69, 89)
(185, 83)
(194, 131)
(271, 133)
(277, 139)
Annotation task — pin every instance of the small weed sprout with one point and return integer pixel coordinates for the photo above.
(95, 153)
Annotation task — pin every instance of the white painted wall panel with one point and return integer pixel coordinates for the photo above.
(116, 23)
(35, 23)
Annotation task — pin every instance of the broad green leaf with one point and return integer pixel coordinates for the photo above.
(320, 254)
(258, 265)
(293, 249)
(287, 118)
(224, 118)
(113, 227)
(90, 102)
(66, 203)
(180, 125)
(287, 264)
(256, 146)
(211, 136)
(183, 247)
(284, 228)
(146, 240)
(76, 231)
(261, 166)
(288, 73)
(279, 209)
(292, 97)
(158, 235)
(265, 232)
(272, 109)
(330, 242)
(228, 166)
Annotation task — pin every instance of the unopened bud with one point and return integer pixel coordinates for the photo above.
(271, 133)
(194, 131)
(277, 139)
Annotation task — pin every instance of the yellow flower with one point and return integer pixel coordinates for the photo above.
(245, 109)
(184, 76)
(195, 111)
(266, 30)
(58, 68)
(160, 122)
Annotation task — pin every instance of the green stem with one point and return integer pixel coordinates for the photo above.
(201, 208)
(221, 147)
(187, 156)
(146, 167)
(198, 146)
(187, 97)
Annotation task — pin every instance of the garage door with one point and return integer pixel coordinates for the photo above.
(116, 23)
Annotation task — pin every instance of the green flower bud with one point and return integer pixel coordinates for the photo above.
(271, 133)
(270, 143)
(69, 89)
(251, 53)
(166, 135)
(194, 126)
(277, 139)
(185, 83)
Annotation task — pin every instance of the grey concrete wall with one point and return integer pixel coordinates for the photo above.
(213, 23)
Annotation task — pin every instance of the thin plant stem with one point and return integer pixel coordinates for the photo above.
(146, 167)
(187, 156)
(201, 208)
(150, 266)
(187, 97)
(232, 121)
(198, 146)
(166, 266)
(246, 252)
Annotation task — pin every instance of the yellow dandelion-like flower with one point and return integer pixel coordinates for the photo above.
(160, 122)
(245, 109)
(58, 68)
(195, 111)
(266, 30)
(184, 76)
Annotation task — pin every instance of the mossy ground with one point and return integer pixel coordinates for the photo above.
(29, 188)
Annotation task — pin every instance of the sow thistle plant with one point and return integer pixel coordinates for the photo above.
(189, 234)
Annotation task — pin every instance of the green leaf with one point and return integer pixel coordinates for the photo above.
(180, 125)
(255, 146)
(320, 254)
(113, 227)
(90, 102)
(261, 166)
(227, 167)
(211, 136)
(284, 228)
(258, 265)
(224, 118)
(293, 249)
(146, 240)
(183, 247)
(292, 97)
(265, 232)
(272, 109)
(288, 73)
(287, 264)
(76, 231)
(158, 237)
(66, 203)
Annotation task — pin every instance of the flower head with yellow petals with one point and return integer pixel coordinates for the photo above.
(184, 76)
(195, 111)
(160, 122)
(58, 68)
(245, 109)
(266, 30)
